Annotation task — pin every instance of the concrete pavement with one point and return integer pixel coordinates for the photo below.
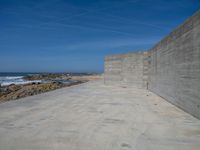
(92, 116)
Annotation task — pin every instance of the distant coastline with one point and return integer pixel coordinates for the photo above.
(18, 85)
(19, 78)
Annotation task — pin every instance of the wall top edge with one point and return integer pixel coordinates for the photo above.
(186, 26)
(115, 56)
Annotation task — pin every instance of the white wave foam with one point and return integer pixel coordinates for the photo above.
(11, 77)
(19, 82)
(14, 78)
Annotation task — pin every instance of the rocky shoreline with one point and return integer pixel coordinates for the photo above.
(55, 81)
(49, 76)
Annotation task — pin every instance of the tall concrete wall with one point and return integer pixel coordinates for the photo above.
(174, 72)
(171, 68)
(126, 70)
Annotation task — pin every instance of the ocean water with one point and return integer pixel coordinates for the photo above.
(15, 78)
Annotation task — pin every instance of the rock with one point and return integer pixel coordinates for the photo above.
(47, 76)
(12, 92)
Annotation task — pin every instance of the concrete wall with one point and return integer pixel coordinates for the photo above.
(171, 68)
(174, 72)
(126, 70)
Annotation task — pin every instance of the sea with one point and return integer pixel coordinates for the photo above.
(15, 78)
(8, 78)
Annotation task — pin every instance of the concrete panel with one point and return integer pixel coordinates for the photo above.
(125, 70)
(174, 72)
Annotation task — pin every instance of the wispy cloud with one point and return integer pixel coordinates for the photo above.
(113, 43)
(92, 11)
(134, 21)
(101, 44)
(55, 22)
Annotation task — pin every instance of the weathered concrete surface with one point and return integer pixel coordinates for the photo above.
(92, 116)
(126, 70)
(174, 72)
(170, 69)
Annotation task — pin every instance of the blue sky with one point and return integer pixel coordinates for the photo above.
(76, 35)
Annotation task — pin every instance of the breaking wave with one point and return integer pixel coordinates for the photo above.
(8, 80)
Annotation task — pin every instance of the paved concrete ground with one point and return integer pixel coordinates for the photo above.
(92, 116)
